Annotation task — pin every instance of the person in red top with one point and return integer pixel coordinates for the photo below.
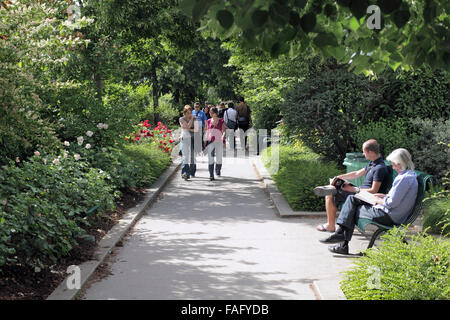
(214, 137)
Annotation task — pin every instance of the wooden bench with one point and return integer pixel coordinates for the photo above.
(422, 179)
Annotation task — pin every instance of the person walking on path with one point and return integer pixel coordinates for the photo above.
(198, 136)
(221, 109)
(206, 110)
(230, 119)
(188, 126)
(244, 121)
(215, 133)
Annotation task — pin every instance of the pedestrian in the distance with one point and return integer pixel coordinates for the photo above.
(244, 120)
(230, 118)
(198, 136)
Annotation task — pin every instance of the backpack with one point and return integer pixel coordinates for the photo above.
(230, 123)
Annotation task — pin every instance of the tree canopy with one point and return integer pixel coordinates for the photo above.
(411, 33)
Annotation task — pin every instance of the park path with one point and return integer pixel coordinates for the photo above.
(220, 239)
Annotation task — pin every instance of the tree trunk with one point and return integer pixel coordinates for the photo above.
(98, 85)
(155, 91)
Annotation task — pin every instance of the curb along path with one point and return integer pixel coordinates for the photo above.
(221, 239)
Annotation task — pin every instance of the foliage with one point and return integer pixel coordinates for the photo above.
(420, 93)
(436, 212)
(34, 41)
(145, 164)
(436, 216)
(264, 80)
(390, 133)
(432, 154)
(411, 33)
(325, 108)
(300, 171)
(44, 205)
(417, 270)
(168, 112)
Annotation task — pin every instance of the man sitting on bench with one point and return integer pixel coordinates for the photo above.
(376, 180)
(390, 209)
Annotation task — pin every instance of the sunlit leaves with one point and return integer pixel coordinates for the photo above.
(419, 29)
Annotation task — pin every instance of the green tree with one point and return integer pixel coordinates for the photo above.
(411, 34)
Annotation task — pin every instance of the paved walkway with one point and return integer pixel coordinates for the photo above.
(222, 240)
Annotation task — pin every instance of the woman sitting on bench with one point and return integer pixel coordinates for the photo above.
(390, 209)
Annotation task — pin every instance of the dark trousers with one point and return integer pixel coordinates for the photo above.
(353, 209)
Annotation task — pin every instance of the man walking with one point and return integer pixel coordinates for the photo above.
(198, 136)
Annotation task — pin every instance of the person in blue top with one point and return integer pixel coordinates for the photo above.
(390, 209)
(198, 136)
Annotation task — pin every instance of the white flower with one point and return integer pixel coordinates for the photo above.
(17, 159)
(89, 133)
(105, 126)
(100, 125)
(4, 202)
(65, 155)
(80, 140)
(104, 149)
(56, 161)
(76, 156)
(88, 146)
(45, 161)
(66, 143)
(37, 153)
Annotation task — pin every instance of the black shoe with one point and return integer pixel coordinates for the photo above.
(339, 248)
(333, 238)
(211, 179)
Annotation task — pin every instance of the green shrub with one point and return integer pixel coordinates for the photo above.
(432, 151)
(390, 134)
(395, 270)
(422, 93)
(435, 213)
(43, 207)
(300, 170)
(145, 163)
(325, 108)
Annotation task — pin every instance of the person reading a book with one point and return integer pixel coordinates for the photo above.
(389, 209)
(376, 180)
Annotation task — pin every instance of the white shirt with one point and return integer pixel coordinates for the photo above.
(229, 114)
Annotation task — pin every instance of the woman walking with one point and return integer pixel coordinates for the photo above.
(215, 134)
(189, 125)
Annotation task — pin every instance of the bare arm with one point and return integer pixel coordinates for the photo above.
(353, 175)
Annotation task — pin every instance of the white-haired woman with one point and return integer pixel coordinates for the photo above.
(390, 209)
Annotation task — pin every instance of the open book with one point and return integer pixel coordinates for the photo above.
(338, 182)
(366, 197)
